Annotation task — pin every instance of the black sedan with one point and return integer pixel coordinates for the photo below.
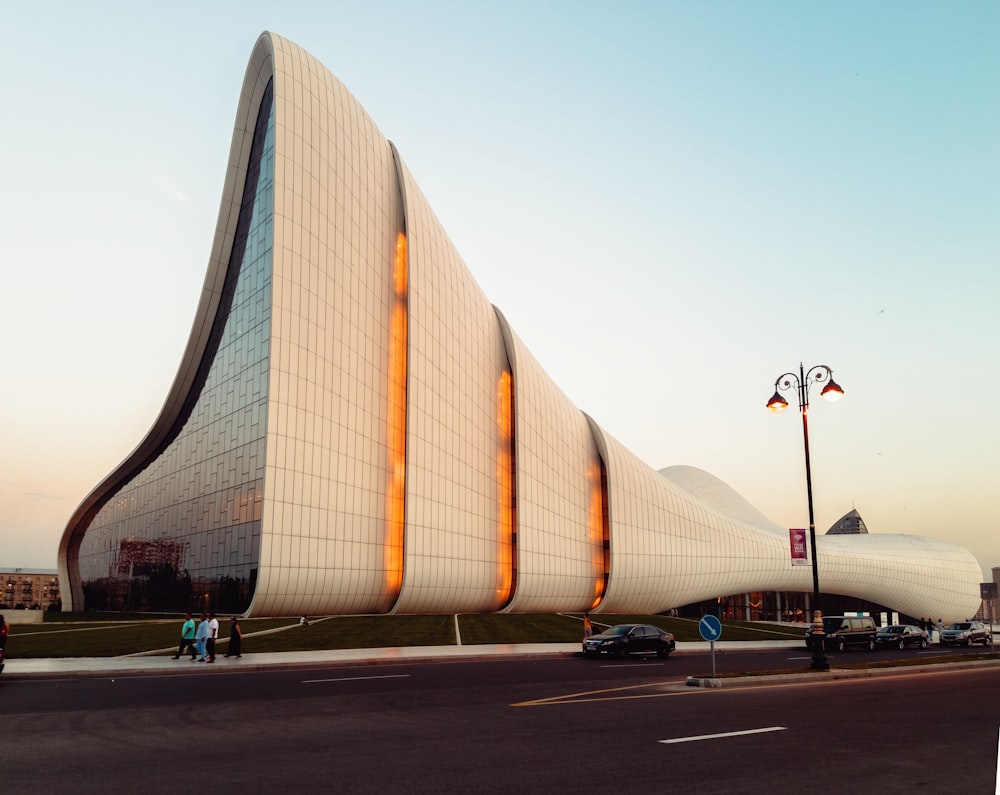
(623, 639)
(901, 636)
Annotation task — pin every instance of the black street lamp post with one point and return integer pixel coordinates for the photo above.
(832, 391)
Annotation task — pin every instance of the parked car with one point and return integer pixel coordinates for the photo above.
(901, 636)
(623, 639)
(844, 631)
(966, 633)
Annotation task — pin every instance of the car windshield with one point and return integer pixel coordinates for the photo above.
(832, 624)
(621, 629)
(892, 631)
(961, 626)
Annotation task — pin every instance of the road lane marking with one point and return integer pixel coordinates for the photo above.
(698, 737)
(354, 678)
(616, 694)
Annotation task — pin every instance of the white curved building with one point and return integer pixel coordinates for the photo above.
(354, 428)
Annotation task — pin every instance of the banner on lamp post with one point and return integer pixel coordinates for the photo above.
(800, 549)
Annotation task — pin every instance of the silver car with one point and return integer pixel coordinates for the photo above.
(965, 633)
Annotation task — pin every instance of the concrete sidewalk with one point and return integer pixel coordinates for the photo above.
(159, 665)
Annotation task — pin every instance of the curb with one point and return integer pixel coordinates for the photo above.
(258, 667)
(834, 675)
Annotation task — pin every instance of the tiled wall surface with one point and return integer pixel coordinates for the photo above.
(337, 216)
(456, 359)
(374, 437)
(559, 511)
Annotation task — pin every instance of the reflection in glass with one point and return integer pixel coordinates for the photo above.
(184, 533)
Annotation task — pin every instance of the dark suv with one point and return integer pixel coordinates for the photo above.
(844, 631)
(966, 633)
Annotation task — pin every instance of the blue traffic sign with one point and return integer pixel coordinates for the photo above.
(710, 628)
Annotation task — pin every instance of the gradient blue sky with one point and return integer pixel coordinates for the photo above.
(672, 202)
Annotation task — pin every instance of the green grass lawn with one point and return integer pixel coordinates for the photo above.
(112, 635)
(101, 638)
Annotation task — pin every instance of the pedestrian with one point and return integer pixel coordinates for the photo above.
(940, 628)
(303, 622)
(235, 639)
(187, 637)
(588, 626)
(211, 637)
(4, 631)
(201, 637)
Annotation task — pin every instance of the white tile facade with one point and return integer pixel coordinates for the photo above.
(337, 214)
(418, 458)
(560, 559)
(456, 359)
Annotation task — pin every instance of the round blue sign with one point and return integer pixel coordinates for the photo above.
(710, 628)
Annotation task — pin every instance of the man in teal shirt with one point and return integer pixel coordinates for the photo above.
(187, 637)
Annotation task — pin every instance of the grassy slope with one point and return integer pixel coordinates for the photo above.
(107, 635)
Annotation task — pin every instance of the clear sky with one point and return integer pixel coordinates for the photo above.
(673, 203)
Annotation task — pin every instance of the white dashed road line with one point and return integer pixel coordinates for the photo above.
(726, 734)
(354, 678)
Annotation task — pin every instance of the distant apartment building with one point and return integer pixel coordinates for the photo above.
(29, 589)
(988, 609)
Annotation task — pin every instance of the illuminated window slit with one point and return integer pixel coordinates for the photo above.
(600, 530)
(396, 437)
(506, 494)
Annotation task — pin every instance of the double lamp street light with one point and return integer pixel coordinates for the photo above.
(831, 391)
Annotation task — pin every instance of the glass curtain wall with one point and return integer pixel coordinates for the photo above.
(184, 533)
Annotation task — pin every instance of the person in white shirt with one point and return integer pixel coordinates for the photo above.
(212, 636)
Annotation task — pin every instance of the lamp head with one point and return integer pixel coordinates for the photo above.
(832, 391)
(777, 403)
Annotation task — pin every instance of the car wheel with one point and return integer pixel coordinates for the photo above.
(967, 643)
(663, 651)
(622, 652)
(902, 644)
(841, 644)
(923, 643)
(871, 644)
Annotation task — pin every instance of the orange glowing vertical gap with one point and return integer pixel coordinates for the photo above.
(505, 488)
(597, 532)
(396, 490)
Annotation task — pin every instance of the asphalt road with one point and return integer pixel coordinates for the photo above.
(564, 724)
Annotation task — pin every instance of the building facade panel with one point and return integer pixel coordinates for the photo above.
(337, 216)
(353, 427)
(186, 525)
(669, 548)
(914, 575)
(456, 361)
(560, 558)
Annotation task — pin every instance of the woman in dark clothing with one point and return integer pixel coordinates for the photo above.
(235, 639)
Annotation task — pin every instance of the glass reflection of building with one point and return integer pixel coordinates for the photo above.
(186, 529)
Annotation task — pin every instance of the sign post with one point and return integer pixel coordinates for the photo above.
(711, 630)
